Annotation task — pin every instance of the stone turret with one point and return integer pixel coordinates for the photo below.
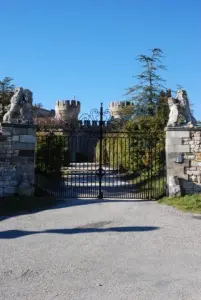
(67, 110)
(121, 109)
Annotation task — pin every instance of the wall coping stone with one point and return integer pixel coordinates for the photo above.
(182, 128)
(17, 125)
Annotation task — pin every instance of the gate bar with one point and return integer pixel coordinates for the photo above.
(100, 171)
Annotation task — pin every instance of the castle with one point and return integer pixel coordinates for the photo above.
(70, 109)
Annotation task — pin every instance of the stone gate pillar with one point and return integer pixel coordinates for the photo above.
(183, 160)
(17, 146)
(17, 163)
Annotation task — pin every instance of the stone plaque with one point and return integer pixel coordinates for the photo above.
(198, 156)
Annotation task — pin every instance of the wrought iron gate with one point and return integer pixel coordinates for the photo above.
(100, 158)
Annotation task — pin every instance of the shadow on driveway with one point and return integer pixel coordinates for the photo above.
(13, 234)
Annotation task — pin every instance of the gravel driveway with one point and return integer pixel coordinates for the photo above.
(111, 250)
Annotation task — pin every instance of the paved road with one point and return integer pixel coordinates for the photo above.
(101, 251)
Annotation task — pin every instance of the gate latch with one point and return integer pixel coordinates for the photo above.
(100, 172)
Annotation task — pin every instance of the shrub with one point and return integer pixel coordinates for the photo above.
(51, 154)
(133, 151)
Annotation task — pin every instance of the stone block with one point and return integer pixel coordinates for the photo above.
(31, 146)
(7, 146)
(177, 134)
(197, 188)
(195, 163)
(186, 139)
(173, 186)
(177, 148)
(15, 138)
(20, 130)
(10, 152)
(32, 131)
(197, 133)
(18, 146)
(8, 178)
(6, 133)
(185, 142)
(2, 151)
(192, 169)
(6, 129)
(197, 173)
(17, 160)
(173, 141)
(10, 190)
(14, 183)
(3, 138)
(27, 139)
(189, 156)
(189, 172)
(26, 153)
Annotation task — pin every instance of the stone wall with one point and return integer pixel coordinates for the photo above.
(184, 145)
(17, 151)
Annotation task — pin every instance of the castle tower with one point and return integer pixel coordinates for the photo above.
(121, 109)
(67, 110)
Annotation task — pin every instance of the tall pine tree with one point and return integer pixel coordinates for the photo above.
(145, 93)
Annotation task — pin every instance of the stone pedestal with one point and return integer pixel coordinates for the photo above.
(17, 163)
(183, 159)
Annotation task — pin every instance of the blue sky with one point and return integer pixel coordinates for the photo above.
(87, 48)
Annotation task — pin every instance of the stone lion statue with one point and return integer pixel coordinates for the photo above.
(20, 108)
(26, 108)
(179, 106)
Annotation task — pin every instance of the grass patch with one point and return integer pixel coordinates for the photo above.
(19, 204)
(188, 203)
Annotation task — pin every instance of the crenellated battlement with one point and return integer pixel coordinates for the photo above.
(117, 109)
(67, 109)
(120, 104)
(68, 103)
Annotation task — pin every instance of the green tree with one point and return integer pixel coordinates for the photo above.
(6, 92)
(51, 154)
(145, 92)
(162, 110)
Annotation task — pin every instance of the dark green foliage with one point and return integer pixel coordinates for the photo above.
(162, 108)
(51, 155)
(145, 93)
(137, 148)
